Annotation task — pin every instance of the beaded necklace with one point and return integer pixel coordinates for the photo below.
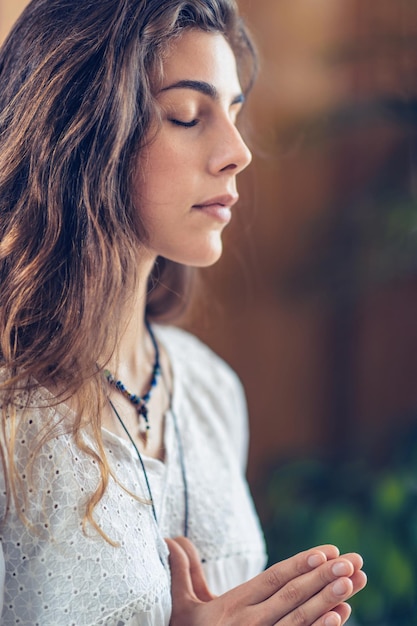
(140, 402)
(180, 454)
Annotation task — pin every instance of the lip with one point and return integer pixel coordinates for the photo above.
(226, 201)
(218, 208)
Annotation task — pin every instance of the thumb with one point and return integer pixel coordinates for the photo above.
(198, 578)
(181, 582)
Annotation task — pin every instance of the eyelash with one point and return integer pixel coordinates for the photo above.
(184, 124)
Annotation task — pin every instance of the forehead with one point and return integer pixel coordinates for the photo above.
(201, 56)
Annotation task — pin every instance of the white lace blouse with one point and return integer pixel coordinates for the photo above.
(57, 575)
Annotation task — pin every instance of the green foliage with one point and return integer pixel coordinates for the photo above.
(370, 510)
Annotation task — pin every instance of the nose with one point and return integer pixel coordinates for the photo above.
(230, 153)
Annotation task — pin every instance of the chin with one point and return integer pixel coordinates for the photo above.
(204, 255)
(208, 258)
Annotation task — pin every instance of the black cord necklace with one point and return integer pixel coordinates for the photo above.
(142, 464)
(180, 454)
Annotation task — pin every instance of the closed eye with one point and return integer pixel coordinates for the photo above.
(184, 124)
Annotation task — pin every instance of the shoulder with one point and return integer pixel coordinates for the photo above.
(195, 358)
(207, 385)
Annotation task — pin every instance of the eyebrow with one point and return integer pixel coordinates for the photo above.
(202, 87)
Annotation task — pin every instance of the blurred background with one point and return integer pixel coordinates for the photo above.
(314, 302)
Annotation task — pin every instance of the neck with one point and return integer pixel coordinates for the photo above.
(133, 365)
(134, 350)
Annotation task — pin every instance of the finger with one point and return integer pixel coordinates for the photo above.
(359, 581)
(344, 610)
(181, 581)
(311, 595)
(324, 602)
(331, 552)
(198, 579)
(277, 576)
(355, 559)
(337, 617)
(329, 619)
(320, 608)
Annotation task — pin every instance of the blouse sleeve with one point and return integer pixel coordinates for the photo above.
(206, 371)
(2, 577)
(240, 423)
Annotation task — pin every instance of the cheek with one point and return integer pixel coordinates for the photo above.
(160, 167)
(167, 171)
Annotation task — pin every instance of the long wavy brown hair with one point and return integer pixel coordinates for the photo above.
(77, 80)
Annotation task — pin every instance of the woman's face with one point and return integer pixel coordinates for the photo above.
(185, 182)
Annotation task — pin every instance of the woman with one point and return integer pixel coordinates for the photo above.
(119, 156)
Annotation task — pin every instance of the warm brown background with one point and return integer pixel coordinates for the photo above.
(326, 364)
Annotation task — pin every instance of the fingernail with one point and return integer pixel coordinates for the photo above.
(341, 569)
(315, 560)
(340, 588)
(332, 620)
